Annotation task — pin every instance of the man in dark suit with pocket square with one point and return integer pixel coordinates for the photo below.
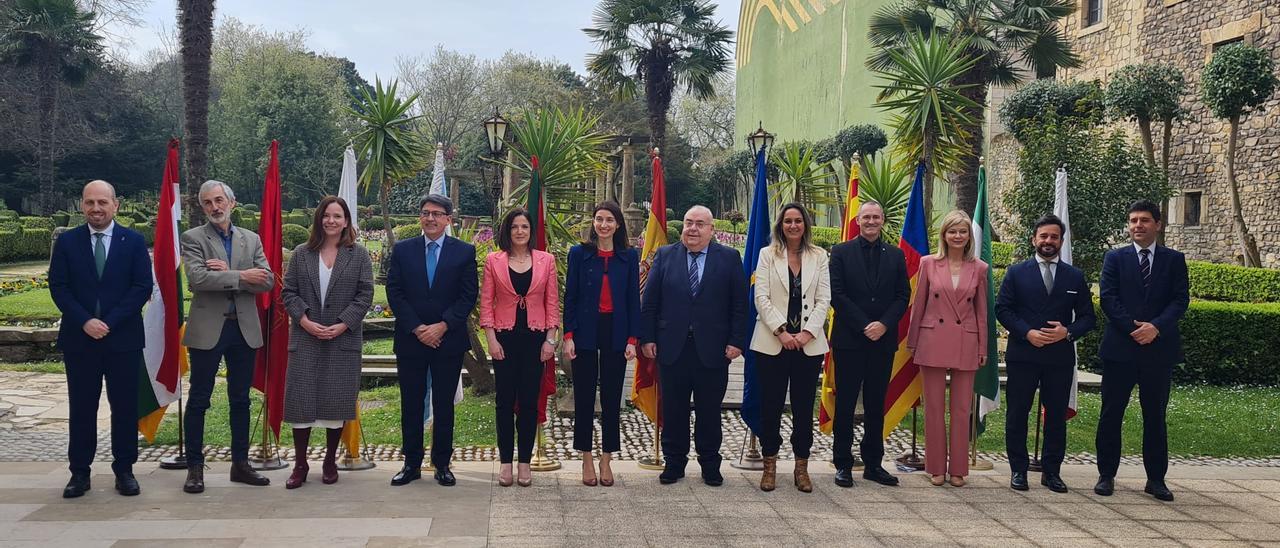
(432, 287)
(1046, 305)
(693, 320)
(99, 277)
(1144, 293)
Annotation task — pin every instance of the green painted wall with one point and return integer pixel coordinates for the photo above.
(801, 67)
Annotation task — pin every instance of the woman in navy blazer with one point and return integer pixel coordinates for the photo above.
(601, 323)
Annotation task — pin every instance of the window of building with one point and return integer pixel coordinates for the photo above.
(1191, 208)
(1092, 12)
(1219, 45)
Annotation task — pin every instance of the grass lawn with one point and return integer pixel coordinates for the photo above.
(378, 346)
(473, 422)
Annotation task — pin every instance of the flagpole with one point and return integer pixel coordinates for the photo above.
(974, 462)
(909, 461)
(654, 461)
(268, 452)
(1035, 465)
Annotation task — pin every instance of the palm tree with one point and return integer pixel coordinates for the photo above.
(195, 37)
(389, 143)
(1003, 35)
(658, 44)
(802, 178)
(55, 39)
(931, 112)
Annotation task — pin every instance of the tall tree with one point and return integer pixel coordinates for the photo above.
(195, 36)
(449, 86)
(1003, 35)
(930, 108)
(1146, 93)
(1238, 80)
(658, 44)
(54, 39)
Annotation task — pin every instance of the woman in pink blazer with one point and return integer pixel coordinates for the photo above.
(949, 332)
(519, 311)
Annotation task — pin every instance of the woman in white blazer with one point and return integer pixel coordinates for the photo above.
(793, 294)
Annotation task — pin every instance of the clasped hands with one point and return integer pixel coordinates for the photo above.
(322, 332)
(1047, 335)
(796, 341)
(650, 351)
(431, 335)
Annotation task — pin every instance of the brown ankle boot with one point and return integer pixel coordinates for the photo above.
(769, 481)
(802, 476)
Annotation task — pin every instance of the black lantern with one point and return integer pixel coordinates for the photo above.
(495, 129)
(760, 139)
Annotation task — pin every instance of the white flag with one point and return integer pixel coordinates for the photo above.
(347, 186)
(438, 183)
(1064, 255)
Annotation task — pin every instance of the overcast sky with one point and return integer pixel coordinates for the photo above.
(373, 32)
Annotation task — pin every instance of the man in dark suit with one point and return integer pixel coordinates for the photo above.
(1144, 295)
(869, 293)
(100, 276)
(693, 319)
(1046, 305)
(432, 288)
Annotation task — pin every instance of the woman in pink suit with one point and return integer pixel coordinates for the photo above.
(520, 312)
(949, 333)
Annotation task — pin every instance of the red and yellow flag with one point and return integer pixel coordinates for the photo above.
(905, 381)
(848, 231)
(644, 390)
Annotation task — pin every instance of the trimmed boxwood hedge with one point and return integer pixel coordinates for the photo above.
(404, 232)
(37, 222)
(1225, 282)
(1225, 344)
(25, 245)
(292, 235)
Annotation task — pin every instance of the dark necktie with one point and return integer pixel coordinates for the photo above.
(694, 283)
(99, 261)
(1144, 265)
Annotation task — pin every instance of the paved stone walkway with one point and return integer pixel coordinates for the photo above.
(1215, 506)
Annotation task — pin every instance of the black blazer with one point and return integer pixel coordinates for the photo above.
(416, 303)
(857, 303)
(1023, 305)
(717, 315)
(1124, 300)
(125, 286)
(582, 297)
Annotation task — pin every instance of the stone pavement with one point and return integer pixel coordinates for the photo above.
(1215, 506)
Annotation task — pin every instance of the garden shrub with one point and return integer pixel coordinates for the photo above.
(293, 235)
(295, 218)
(826, 236)
(677, 225)
(60, 218)
(1224, 343)
(25, 245)
(8, 214)
(1225, 282)
(37, 222)
(404, 232)
(1001, 254)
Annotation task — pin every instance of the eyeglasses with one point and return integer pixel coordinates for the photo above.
(433, 214)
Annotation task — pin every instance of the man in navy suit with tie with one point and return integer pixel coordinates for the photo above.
(99, 277)
(1046, 305)
(1144, 295)
(431, 287)
(693, 319)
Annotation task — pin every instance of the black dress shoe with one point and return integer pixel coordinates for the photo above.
(195, 479)
(406, 475)
(712, 477)
(1018, 481)
(1159, 490)
(77, 487)
(880, 475)
(1053, 482)
(127, 485)
(844, 477)
(243, 472)
(671, 474)
(1106, 486)
(445, 477)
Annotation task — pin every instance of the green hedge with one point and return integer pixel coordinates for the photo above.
(299, 219)
(1224, 282)
(8, 214)
(249, 222)
(147, 231)
(60, 218)
(404, 232)
(826, 236)
(37, 222)
(125, 221)
(726, 226)
(673, 234)
(293, 235)
(1225, 344)
(1001, 254)
(25, 245)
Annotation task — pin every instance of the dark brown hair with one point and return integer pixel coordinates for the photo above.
(504, 230)
(780, 238)
(316, 239)
(620, 240)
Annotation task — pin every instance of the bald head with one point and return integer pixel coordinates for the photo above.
(98, 203)
(698, 228)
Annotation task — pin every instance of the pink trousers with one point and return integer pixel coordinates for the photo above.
(937, 449)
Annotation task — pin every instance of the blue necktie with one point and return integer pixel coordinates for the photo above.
(694, 283)
(432, 255)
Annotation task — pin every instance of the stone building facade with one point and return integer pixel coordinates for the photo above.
(1109, 34)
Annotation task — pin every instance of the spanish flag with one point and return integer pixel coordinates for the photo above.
(644, 389)
(905, 381)
(848, 231)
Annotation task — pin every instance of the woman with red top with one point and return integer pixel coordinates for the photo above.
(601, 323)
(519, 311)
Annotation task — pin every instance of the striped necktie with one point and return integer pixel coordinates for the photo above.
(1144, 264)
(694, 279)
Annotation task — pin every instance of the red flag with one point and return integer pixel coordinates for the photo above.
(268, 375)
(537, 211)
(166, 269)
(644, 387)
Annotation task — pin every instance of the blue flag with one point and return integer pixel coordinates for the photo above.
(757, 239)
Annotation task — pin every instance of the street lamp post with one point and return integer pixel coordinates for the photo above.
(495, 130)
(760, 139)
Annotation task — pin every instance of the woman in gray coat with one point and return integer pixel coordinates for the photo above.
(328, 287)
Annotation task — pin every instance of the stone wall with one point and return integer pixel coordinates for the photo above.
(1184, 33)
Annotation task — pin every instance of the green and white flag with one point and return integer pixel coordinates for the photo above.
(986, 384)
